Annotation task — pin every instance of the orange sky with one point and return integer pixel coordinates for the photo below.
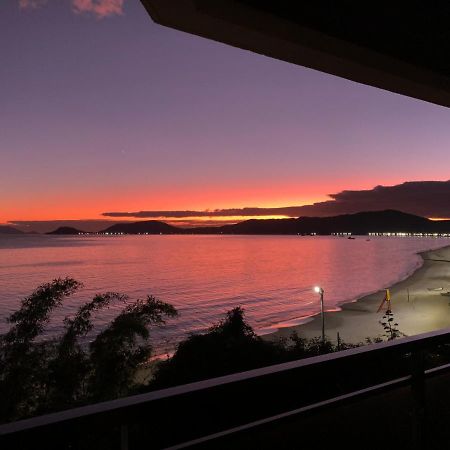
(120, 114)
(84, 203)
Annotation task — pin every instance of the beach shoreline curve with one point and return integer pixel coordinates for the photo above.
(416, 300)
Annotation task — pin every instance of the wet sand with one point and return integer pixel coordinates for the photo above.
(424, 310)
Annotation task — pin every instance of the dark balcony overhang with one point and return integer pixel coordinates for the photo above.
(400, 47)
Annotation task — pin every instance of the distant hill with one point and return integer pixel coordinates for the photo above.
(66, 230)
(142, 227)
(6, 229)
(359, 223)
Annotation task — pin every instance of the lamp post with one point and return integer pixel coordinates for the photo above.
(319, 290)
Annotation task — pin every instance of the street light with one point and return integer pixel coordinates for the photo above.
(319, 290)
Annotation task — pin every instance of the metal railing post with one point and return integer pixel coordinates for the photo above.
(418, 397)
(124, 437)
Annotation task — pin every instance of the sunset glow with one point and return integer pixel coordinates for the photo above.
(130, 116)
(201, 221)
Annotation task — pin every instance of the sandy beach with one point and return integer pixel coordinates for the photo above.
(424, 309)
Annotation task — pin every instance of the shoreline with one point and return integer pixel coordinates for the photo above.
(422, 311)
(427, 310)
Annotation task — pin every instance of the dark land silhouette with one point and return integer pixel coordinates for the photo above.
(66, 230)
(147, 226)
(359, 223)
(388, 221)
(6, 229)
(362, 223)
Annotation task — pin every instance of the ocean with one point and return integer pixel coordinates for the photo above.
(271, 277)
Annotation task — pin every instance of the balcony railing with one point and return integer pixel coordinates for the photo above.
(206, 412)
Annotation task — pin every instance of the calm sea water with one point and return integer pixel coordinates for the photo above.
(204, 276)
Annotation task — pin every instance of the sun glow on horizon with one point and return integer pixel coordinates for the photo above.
(214, 220)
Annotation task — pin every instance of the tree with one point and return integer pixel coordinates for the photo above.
(229, 346)
(22, 359)
(232, 346)
(39, 375)
(117, 348)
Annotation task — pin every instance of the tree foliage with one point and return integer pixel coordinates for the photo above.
(38, 375)
(232, 346)
(228, 346)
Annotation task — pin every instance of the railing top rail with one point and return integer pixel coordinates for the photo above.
(405, 344)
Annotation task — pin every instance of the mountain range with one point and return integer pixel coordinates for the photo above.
(360, 223)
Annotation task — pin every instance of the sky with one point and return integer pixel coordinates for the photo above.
(103, 111)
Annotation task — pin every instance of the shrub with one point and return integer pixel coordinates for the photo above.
(38, 375)
(232, 346)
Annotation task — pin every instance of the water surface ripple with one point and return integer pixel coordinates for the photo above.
(204, 276)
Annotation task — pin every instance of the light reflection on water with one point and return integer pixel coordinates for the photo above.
(204, 276)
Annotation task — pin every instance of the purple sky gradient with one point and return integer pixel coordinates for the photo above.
(120, 114)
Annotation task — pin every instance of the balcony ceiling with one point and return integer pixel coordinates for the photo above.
(403, 47)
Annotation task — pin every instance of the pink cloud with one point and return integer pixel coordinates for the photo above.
(99, 8)
(31, 4)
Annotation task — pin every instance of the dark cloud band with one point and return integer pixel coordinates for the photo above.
(424, 198)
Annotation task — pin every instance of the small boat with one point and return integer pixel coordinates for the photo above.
(350, 237)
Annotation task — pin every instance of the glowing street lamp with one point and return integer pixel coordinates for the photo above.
(319, 291)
